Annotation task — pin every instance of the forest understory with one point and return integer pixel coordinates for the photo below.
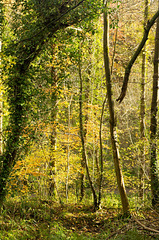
(41, 219)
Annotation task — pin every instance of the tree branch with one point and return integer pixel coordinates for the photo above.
(136, 54)
(145, 227)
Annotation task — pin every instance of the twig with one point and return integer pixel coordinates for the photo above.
(145, 227)
(116, 232)
(152, 209)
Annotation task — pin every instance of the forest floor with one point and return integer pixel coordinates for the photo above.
(46, 220)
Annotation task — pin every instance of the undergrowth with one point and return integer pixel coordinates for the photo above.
(24, 219)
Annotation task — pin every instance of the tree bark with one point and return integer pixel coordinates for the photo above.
(119, 175)
(153, 126)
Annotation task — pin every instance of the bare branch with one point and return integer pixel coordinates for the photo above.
(136, 54)
(145, 227)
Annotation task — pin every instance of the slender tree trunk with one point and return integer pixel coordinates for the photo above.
(101, 156)
(53, 131)
(85, 117)
(68, 147)
(68, 155)
(96, 156)
(153, 126)
(81, 177)
(119, 175)
(83, 135)
(142, 112)
(84, 156)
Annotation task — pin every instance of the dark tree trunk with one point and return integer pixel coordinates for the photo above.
(153, 126)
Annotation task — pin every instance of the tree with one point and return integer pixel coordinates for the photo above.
(112, 123)
(153, 125)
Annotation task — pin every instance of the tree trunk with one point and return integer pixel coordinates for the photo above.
(82, 133)
(53, 132)
(84, 156)
(68, 146)
(101, 156)
(142, 113)
(153, 126)
(119, 175)
(13, 144)
(85, 117)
